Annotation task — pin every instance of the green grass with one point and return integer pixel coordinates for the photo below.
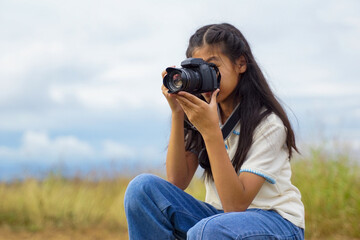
(330, 187)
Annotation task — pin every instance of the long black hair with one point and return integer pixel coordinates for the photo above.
(252, 92)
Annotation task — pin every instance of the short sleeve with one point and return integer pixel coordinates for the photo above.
(268, 153)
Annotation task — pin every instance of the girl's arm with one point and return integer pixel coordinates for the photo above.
(180, 165)
(236, 192)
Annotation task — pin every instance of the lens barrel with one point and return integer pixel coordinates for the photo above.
(182, 80)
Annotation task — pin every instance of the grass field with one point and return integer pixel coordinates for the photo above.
(60, 208)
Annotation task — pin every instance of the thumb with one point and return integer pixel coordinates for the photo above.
(214, 96)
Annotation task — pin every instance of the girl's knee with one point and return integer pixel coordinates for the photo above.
(206, 228)
(193, 232)
(211, 228)
(138, 187)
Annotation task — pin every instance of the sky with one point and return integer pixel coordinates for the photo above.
(80, 80)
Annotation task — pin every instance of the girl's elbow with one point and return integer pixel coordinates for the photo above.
(236, 207)
(177, 183)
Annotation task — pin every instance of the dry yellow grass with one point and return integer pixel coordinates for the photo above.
(59, 208)
(93, 233)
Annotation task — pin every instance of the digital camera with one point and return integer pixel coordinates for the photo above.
(196, 76)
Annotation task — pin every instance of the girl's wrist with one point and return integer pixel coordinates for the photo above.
(212, 134)
(178, 115)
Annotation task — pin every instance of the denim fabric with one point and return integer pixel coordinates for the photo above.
(156, 209)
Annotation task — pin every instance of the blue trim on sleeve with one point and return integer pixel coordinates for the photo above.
(267, 178)
(236, 132)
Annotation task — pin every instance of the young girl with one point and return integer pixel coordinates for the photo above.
(249, 194)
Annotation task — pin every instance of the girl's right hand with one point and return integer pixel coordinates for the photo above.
(171, 98)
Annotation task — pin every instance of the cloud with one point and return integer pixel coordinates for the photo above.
(114, 150)
(38, 147)
(120, 87)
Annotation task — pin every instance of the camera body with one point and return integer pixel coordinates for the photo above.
(196, 76)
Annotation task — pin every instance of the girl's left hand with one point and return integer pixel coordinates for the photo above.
(203, 115)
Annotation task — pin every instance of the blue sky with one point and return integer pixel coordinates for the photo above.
(80, 80)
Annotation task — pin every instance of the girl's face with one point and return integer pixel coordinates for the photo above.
(229, 71)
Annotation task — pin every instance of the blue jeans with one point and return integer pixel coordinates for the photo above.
(156, 209)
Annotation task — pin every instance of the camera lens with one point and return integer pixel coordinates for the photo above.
(177, 80)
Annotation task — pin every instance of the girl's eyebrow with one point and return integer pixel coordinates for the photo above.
(213, 58)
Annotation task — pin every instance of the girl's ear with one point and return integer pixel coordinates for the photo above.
(241, 65)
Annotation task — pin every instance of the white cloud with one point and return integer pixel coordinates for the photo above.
(322, 88)
(123, 86)
(115, 151)
(39, 147)
(109, 96)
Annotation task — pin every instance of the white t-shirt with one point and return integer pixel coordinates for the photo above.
(268, 157)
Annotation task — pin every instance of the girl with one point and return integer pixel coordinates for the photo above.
(248, 189)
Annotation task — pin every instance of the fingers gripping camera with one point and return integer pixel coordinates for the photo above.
(196, 76)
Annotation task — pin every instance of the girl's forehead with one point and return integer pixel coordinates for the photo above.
(207, 52)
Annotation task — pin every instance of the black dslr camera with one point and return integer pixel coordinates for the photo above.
(196, 76)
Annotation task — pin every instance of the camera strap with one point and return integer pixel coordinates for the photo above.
(231, 123)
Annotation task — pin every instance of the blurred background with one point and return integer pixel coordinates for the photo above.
(81, 110)
(80, 80)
